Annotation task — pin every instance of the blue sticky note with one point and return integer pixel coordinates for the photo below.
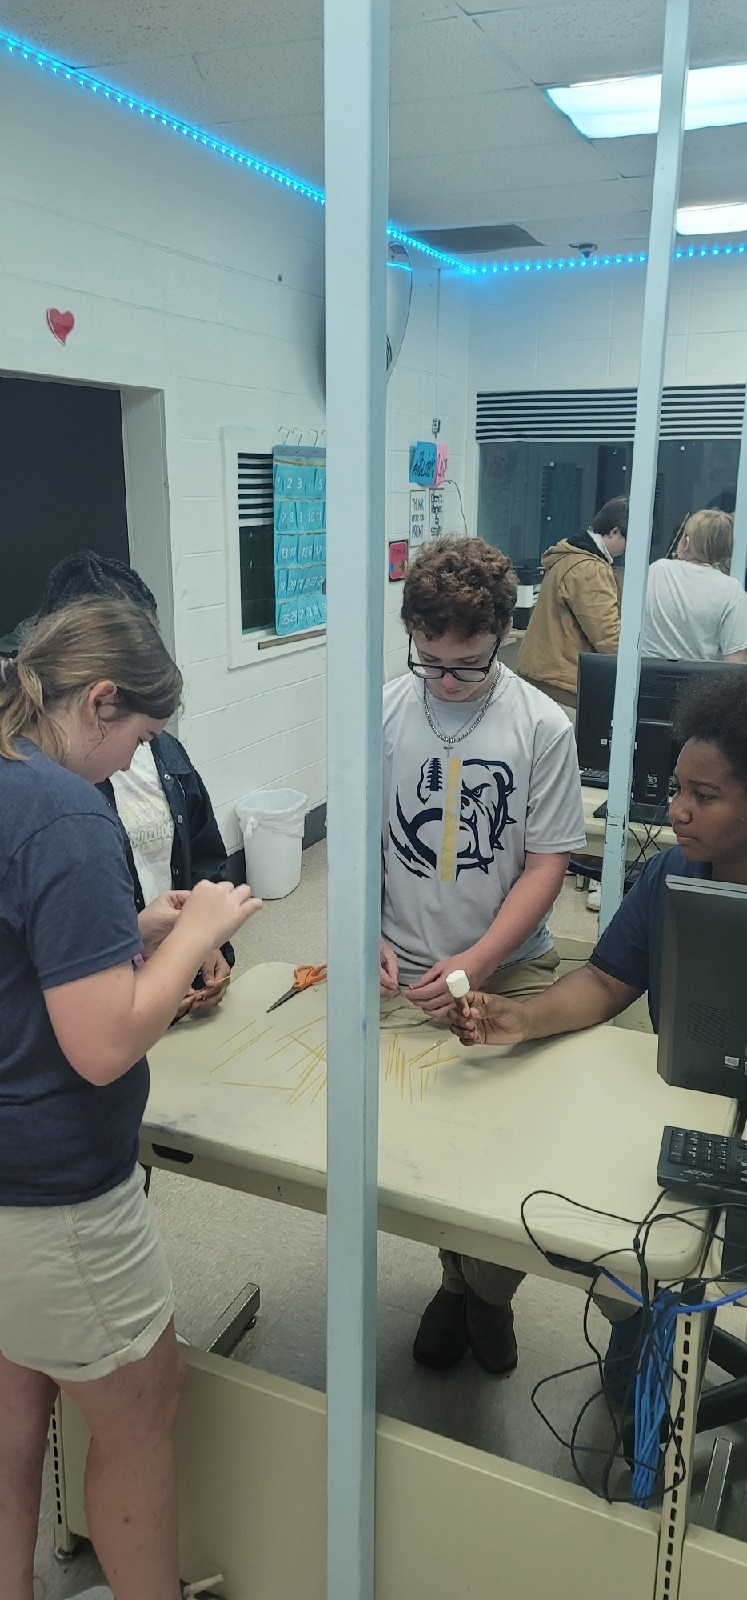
(286, 550)
(286, 619)
(423, 462)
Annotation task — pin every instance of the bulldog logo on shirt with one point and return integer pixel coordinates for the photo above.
(457, 825)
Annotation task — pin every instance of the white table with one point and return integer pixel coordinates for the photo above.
(464, 1138)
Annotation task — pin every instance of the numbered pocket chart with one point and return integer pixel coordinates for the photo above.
(299, 478)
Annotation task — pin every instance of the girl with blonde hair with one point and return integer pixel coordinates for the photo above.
(86, 988)
(694, 610)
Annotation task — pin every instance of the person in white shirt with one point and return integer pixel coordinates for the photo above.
(172, 839)
(481, 808)
(694, 610)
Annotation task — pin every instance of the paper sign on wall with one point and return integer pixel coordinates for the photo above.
(398, 554)
(435, 513)
(442, 462)
(418, 516)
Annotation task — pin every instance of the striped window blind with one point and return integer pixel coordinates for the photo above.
(607, 416)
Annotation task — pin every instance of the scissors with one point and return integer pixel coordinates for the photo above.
(303, 978)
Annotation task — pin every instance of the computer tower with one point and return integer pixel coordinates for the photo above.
(703, 1015)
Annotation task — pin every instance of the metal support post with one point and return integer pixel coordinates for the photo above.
(645, 446)
(739, 553)
(356, 120)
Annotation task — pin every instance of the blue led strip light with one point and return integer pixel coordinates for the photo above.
(573, 264)
(243, 158)
(122, 97)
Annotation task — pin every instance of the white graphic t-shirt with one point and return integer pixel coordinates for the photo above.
(456, 827)
(145, 815)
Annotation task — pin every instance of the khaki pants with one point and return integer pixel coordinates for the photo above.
(498, 1285)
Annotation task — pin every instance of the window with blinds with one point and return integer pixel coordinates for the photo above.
(550, 459)
(256, 554)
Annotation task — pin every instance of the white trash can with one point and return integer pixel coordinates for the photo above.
(272, 825)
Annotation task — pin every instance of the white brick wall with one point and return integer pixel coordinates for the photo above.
(190, 277)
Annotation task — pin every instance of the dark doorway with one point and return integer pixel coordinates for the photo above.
(62, 484)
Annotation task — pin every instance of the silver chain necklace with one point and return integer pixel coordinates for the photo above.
(448, 740)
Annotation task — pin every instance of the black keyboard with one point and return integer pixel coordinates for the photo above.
(706, 1167)
(593, 779)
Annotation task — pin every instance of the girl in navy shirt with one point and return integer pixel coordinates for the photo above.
(86, 1303)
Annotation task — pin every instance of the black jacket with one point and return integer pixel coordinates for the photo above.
(198, 851)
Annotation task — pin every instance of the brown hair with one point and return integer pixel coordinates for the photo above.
(710, 535)
(65, 654)
(459, 586)
(613, 514)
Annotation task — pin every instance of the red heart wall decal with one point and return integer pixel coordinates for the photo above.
(61, 323)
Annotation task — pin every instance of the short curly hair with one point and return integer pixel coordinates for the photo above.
(459, 586)
(714, 710)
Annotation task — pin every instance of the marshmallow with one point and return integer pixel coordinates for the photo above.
(458, 984)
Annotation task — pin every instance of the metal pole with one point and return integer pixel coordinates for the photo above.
(739, 553)
(645, 446)
(356, 124)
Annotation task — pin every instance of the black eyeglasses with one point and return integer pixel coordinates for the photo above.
(462, 674)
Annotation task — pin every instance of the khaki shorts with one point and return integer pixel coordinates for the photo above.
(84, 1289)
(521, 979)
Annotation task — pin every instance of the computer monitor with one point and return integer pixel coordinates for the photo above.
(660, 687)
(703, 1018)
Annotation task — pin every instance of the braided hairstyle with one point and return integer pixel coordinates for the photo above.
(85, 575)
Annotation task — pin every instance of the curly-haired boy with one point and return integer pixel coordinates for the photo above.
(482, 806)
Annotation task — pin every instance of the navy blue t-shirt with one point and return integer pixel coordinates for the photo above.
(66, 912)
(630, 948)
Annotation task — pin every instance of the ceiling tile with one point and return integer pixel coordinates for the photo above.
(283, 77)
(504, 120)
(403, 13)
(88, 32)
(296, 143)
(632, 158)
(709, 186)
(718, 32)
(172, 83)
(716, 147)
(457, 209)
(568, 43)
(498, 169)
(609, 233)
(447, 58)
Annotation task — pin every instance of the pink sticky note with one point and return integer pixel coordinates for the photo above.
(442, 462)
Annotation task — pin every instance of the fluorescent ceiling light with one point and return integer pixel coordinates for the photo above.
(731, 218)
(615, 108)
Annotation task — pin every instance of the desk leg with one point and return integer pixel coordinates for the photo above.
(236, 1320)
(688, 1363)
(65, 1542)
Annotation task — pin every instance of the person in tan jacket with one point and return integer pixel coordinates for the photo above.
(578, 607)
